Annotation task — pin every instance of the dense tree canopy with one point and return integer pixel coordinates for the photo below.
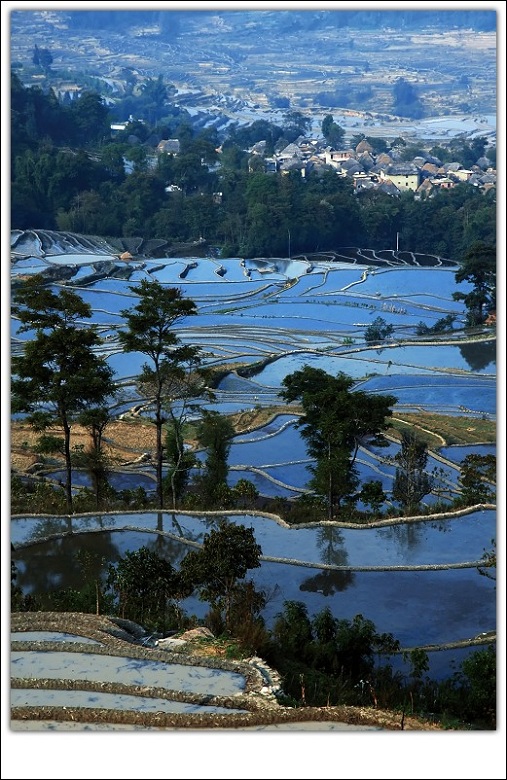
(332, 132)
(477, 479)
(336, 418)
(214, 434)
(478, 268)
(227, 554)
(406, 100)
(144, 587)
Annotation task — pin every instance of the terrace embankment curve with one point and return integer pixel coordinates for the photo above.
(253, 707)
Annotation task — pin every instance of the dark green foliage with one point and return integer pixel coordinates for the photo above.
(144, 587)
(246, 491)
(477, 479)
(93, 458)
(295, 124)
(293, 630)
(245, 621)
(227, 554)
(334, 476)
(411, 482)
(379, 144)
(406, 100)
(491, 155)
(180, 463)
(260, 130)
(334, 422)
(155, 94)
(90, 118)
(479, 679)
(373, 495)
(59, 375)
(441, 326)
(332, 132)
(214, 434)
(42, 57)
(185, 386)
(33, 495)
(76, 600)
(419, 662)
(325, 660)
(468, 152)
(378, 331)
(149, 330)
(479, 269)
(48, 445)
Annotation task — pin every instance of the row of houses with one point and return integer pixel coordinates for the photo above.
(368, 170)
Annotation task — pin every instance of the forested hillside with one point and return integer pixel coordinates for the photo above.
(68, 173)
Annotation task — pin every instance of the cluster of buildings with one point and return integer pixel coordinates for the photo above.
(385, 171)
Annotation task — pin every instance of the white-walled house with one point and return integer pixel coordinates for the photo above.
(404, 177)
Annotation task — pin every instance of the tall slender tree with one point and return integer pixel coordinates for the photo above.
(94, 459)
(59, 374)
(332, 132)
(187, 384)
(149, 330)
(215, 434)
(411, 482)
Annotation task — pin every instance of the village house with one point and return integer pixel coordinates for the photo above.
(169, 146)
(335, 158)
(403, 176)
(463, 174)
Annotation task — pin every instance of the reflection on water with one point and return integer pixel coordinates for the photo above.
(58, 564)
(330, 542)
(419, 607)
(430, 541)
(479, 355)
(328, 582)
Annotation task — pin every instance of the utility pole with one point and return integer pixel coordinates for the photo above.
(288, 233)
(397, 241)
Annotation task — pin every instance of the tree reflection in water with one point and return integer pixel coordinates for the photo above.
(168, 548)
(479, 355)
(55, 564)
(328, 582)
(407, 535)
(330, 543)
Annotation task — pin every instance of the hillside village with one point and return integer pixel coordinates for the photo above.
(367, 168)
